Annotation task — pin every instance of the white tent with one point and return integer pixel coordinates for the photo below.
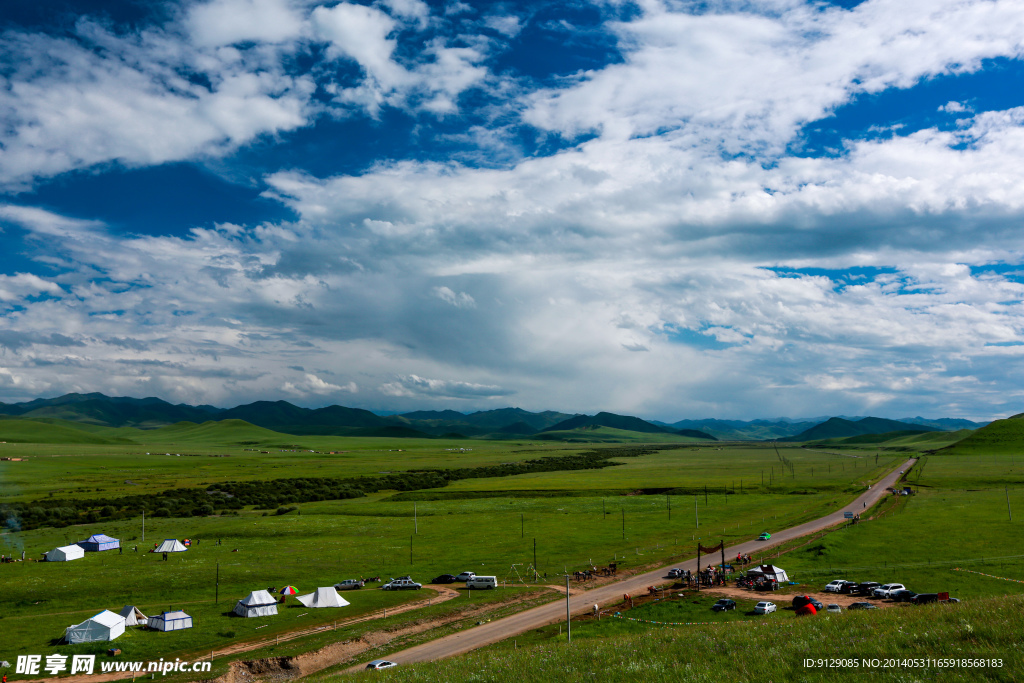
(769, 571)
(170, 621)
(170, 545)
(133, 616)
(65, 554)
(325, 596)
(257, 604)
(99, 542)
(104, 626)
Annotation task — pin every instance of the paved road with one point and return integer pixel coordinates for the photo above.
(537, 617)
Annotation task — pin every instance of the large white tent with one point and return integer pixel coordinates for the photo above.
(99, 542)
(170, 621)
(104, 626)
(133, 616)
(769, 571)
(65, 553)
(256, 604)
(325, 596)
(170, 545)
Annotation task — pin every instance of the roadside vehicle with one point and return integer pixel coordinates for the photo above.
(833, 607)
(903, 596)
(403, 584)
(862, 605)
(925, 598)
(445, 578)
(675, 573)
(483, 582)
(886, 590)
(764, 536)
(723, 605)
(348, 584)
(836, 586)
(381, 664)
(465, 576)
(764, 608)
(867, 587)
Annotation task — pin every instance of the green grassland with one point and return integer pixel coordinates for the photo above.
(1001, 436)
(595, 434)
(772, 650)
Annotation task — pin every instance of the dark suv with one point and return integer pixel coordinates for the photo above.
(903, 596)
(723, 605)
(925, 598)
(867, 587)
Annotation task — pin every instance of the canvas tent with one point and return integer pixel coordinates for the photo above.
(170, 621)
(325, 596)
(257, 604)
(98, 542)
(133, 616)
(170, 545)
(104, 626)
(769, 571)
(65, 554)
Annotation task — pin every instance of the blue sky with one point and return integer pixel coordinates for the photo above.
(670, 209)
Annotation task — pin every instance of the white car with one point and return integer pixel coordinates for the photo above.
(833, 607)
(381, 664)
(887, 590)
(764, 608)
(348, 584)
(465, 576)
(835, 586)
(401, 585)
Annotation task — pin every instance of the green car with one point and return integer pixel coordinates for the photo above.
(764, 537)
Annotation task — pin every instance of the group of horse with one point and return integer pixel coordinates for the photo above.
(594, 572)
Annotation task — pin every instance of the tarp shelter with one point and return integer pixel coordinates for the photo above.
(65, 554)
(104, 626)
(769, 571)
(98, 542)
(170, 545)
(170, 621)
(133, 616)
(325, 596)
(257, 604)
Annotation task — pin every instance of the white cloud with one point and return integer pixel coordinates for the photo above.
(227, 22)
(459, 300)
(413, 385)
(312, 384)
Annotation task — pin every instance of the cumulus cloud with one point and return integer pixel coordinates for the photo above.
(677, 260)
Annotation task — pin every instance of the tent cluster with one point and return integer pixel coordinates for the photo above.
(262, 604)
(107, 625)
(94, 544)
(170, 545)
(770, 572)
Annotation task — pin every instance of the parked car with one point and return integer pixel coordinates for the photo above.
(801, 600)
(925, 598)
(381, 664)
(867, 587)
(862, 605)
(445, 578)
(675, 573)
(348, 584)
(404, 584)
(465, 576)
(903, 596)
(764, 536)
(837, 585)
(952, 600)
(723, 605)
(849, 587)
(886, 590)
(764, 608)
(833, 607)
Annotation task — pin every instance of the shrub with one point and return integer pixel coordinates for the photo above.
(162, 512)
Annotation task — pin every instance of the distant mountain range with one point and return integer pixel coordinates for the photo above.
(503, 423)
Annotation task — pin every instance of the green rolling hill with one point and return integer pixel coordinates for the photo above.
(33, 431)
(838, 428)
(1001, 436)
(602, 434)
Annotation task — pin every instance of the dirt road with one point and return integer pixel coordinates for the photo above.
(492, 632)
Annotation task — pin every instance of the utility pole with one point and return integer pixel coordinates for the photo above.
(696, 516)
(522, 525)
(568, 622)
(668, 501)
(415, 520)
(535, 557)
(623, 524)
(410, 551)
(1006, 489)
(217, 586)
(143, 525)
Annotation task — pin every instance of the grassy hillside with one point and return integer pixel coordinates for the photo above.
(50, 432)
(596, 434)
(1001, 436)
(222, 432)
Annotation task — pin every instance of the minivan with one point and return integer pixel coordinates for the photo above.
(483, 582)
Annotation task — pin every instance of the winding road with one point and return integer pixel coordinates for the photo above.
(494, 631)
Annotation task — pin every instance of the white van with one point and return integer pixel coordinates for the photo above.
(483, 582)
